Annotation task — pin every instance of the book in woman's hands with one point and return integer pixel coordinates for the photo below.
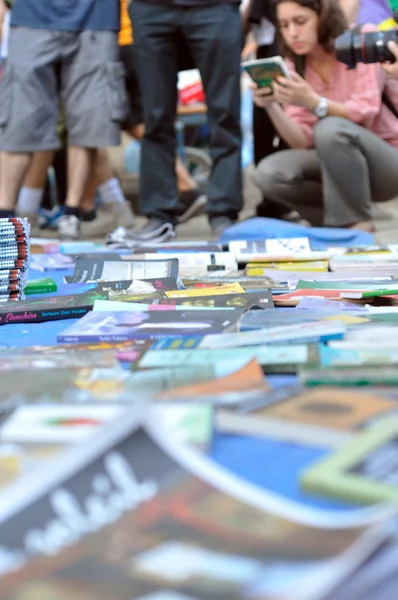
(264, 71)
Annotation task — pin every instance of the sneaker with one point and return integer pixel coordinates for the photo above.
(110, 216)
(190, 204)
(154, 230)
(219, 225)
(68, 227)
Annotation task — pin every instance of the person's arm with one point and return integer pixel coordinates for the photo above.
(293, 133)
(392, 68)
(297, 92)
(246, 25)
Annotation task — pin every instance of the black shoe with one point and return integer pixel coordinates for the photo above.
(190, 204)
(220, 224)
(154, 230)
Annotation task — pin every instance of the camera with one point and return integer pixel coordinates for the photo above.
(353, 46)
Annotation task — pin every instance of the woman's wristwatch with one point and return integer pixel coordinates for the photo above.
(321, 110)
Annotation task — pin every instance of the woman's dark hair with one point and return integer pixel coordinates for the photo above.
(332, 23)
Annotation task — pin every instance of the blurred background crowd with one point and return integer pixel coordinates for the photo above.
(164, 78)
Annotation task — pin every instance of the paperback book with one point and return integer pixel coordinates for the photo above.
(180, 527)
(49, 309)
(125, 326)
(364, 471)
(104, 269)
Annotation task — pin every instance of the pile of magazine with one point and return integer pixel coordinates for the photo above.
(14, 258)
(201, 421)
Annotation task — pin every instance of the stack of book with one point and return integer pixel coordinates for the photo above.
(14, 258)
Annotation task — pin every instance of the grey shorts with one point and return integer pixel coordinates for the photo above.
(45, 68)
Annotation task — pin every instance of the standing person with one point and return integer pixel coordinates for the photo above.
(212, 33)
(78, 41)
(114, 210)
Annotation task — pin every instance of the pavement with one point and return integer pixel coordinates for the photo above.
(386, 214)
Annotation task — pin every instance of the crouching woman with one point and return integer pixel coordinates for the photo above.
(343, 137)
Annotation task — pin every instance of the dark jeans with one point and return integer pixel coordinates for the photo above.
(213, 37)
(264, 134)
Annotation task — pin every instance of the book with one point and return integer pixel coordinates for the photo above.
(364, 471)
(230, 541)
(113, 306)
(276, 250)
(47, 285)
(56, 424)
(52, 262)
(264, 71)
(245, 300)
(16, 360)
(233, 288)
(366, 374)
(301, 333)
(313, 417)
(261, 269)
(49, 309)
(190, 263)
(78, 355)
(249, 378)
(124, 326)
(62, 385)
(107, 269)
(273, 359)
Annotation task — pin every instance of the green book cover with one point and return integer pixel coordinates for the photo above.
(364, 471)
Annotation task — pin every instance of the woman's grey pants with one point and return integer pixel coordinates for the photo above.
(335, 183)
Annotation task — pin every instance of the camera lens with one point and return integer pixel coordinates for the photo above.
(375, 47)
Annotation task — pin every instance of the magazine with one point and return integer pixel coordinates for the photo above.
(141, 517)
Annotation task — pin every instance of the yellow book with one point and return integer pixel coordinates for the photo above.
(232, 288)
(258, 269)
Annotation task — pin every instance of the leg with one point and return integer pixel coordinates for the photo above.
(13, 168)
(28, 110)
(357, 166)
(214, 35)
(31, 193)
(293, 178)
(155, 29)
(81, 163)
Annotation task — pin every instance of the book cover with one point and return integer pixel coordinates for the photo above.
(244, 301)
(167, 523)
(123, 326)
(261, 269)
(49, 309)
(54, 359)
(105, 269)
(232, 288)
(70, 385)
(364, 471)
(352, 376)
(301, 333)
(52, 262)
(282, 359)
(317, 417)
(112, 306)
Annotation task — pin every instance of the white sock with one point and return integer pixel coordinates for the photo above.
(111, 191)
(29, 200)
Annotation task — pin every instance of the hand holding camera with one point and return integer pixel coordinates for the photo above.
(391, 68)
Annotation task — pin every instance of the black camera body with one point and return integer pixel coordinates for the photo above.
(354, 46)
